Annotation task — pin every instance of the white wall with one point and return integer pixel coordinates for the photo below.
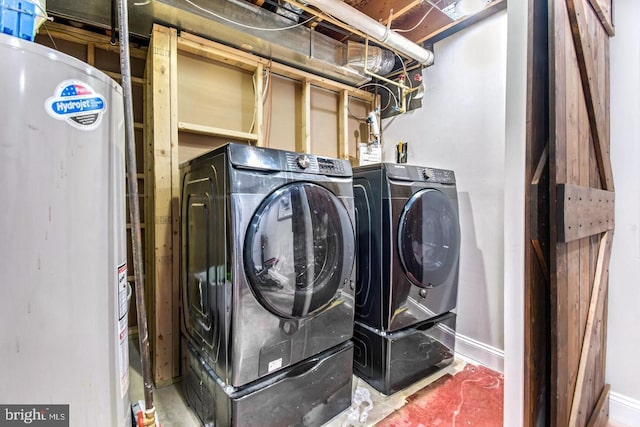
(623, 346)
(461, 126)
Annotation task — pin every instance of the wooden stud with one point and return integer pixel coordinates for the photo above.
(304, 145)
(175, 205)
(91, 53)
(164, 127)
(597, 295)
(259, 106)
(343, 125)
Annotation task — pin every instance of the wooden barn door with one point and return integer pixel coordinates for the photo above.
(581, 209)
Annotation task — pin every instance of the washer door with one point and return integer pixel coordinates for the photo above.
(428, 238)
(299, 250)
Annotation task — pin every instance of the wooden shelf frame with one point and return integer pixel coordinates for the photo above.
(215, 131)
(162, 132)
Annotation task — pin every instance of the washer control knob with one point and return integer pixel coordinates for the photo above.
(427, 173)
(303, 161)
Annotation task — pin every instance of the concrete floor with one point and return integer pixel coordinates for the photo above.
(173, 411)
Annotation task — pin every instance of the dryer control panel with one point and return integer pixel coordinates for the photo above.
(419, 173)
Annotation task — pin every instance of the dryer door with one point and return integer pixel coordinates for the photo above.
(428, 238)
(299, 250)
(198, 298)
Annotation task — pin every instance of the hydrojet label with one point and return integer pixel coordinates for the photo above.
(78, 104)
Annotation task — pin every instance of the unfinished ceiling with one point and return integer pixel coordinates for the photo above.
(418, 20)
(295, 33)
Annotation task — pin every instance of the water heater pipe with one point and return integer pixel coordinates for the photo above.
(134, 211)
(374, 29)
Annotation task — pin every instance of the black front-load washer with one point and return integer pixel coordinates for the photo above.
(408, 235)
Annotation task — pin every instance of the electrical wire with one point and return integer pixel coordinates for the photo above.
(47, 18)
(50, 37)
(255, 104)
(399, 30)
(387, 89)
(363, 119)
(269, 97)
(259, 97)
(245, 25)
(408, 80)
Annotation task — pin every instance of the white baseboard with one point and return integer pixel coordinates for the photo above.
(479, 352)
(624, 410)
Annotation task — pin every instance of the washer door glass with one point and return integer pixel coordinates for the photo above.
(295, 250)
(428, 238)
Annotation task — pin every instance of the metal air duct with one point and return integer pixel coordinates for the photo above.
(300, 47)
(374, 29)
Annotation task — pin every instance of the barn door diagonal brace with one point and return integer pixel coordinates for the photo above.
(595, 308)
(604, 16)
(593, 98)
(540, 223)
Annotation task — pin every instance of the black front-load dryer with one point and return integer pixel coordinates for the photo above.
(408, 236)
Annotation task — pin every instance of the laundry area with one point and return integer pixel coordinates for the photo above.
(319, 213)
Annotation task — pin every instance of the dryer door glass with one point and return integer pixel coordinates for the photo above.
(428, 238)
(298, 250)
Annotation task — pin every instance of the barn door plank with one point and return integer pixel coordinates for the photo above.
(595, 104)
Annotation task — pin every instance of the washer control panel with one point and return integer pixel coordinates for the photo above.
(269, 159)
(419, 173)
(296, 162)
(436, 175)
(330, 166)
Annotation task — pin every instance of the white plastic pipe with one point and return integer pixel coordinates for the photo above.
(374, 29)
